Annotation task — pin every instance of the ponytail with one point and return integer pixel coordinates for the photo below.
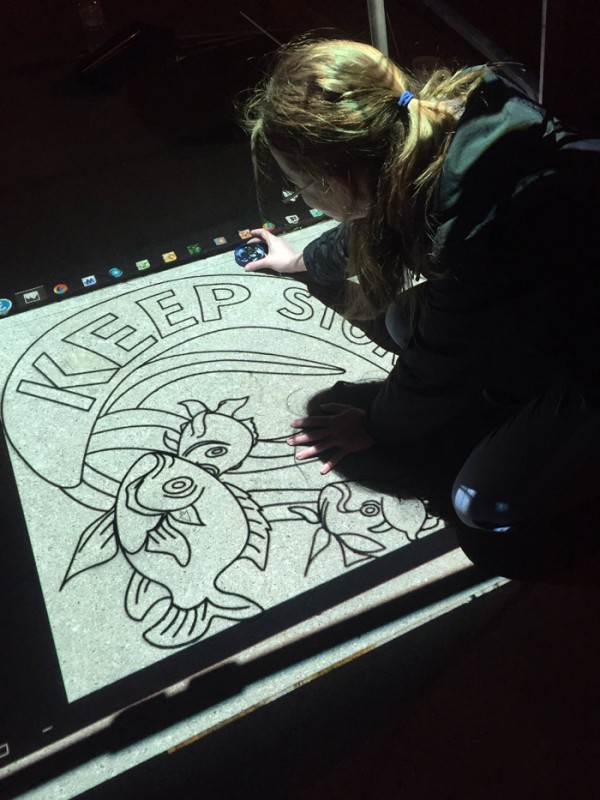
(331, 107)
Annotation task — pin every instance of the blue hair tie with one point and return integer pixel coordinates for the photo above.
(405, 99)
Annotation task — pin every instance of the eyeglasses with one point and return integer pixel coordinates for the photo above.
(290, 195)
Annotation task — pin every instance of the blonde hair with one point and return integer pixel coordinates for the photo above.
(330, 107)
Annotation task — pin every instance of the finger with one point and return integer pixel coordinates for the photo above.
(308, 437)
(329, 465)
(333, 461)
(314, 450)
(262, 233)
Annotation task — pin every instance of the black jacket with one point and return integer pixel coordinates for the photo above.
(517, 209)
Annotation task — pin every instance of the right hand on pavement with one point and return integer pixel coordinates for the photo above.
(281, 257)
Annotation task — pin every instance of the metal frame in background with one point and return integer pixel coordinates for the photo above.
(524, 78)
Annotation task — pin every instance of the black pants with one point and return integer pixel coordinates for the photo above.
(527, 498)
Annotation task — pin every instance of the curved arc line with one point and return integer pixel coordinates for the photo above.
(220, 369)
(88, 308)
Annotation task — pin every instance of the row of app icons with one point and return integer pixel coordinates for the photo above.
(38, 294)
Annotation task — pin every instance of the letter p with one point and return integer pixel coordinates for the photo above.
(213, 297)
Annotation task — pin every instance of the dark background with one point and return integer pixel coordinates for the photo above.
(150, 155)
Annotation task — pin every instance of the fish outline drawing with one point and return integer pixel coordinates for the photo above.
(365, 521)
(167, 521)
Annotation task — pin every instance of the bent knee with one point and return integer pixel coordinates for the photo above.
(481, 509)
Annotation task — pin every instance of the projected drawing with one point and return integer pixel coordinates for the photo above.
(148, 439)
(363, 521)
(180, 527)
